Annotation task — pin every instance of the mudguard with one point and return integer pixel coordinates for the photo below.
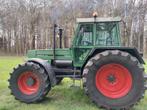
(130, 50)
(47, 67)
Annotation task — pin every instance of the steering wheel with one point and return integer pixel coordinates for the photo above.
(85, 42)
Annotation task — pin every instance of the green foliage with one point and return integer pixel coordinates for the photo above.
(62, 97)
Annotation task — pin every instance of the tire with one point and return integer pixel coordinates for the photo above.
(29, 83)
(59, 80)
(114, 80)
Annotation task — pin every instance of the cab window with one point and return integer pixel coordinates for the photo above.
(106, 34)
(85, 35)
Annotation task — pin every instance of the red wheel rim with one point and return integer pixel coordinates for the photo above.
(113, 80)
(28, 83)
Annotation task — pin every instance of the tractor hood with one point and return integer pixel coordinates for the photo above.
(47, 54)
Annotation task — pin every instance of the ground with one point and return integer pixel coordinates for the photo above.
(62, 97)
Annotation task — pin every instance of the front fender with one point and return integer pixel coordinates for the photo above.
(47, 67)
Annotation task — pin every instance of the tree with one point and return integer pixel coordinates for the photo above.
(28, 24)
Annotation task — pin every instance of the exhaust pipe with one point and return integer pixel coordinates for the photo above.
(60, 37)
(54, 40)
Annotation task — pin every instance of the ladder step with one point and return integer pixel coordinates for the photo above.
(69, 76)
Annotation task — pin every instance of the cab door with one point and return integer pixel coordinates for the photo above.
(84, 42)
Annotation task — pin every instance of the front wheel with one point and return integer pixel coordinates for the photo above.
(29, 83)
(114, 80)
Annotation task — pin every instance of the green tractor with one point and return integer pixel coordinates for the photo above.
(113, 75)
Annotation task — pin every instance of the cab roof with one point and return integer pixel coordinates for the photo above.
(98, 19)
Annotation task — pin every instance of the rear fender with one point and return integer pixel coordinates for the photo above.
(132, 51)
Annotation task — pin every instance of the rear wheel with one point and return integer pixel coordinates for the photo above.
(114, 80)
(29, 83)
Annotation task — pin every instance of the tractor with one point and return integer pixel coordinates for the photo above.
(113, 75)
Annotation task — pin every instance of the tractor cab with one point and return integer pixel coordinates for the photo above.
(92, 33)
(97, 32)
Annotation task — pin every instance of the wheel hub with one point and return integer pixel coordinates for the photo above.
(113, 80)
(28, 83)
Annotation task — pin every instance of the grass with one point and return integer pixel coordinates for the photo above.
(62, 97)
